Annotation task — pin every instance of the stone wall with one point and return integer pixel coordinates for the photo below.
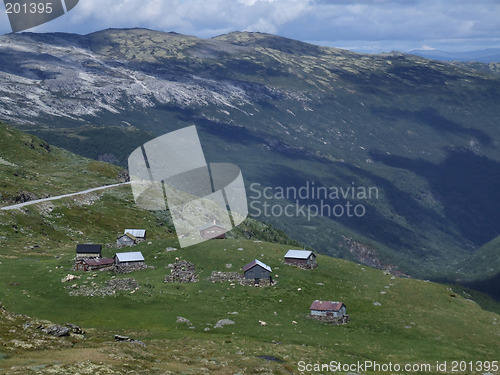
(330, 319)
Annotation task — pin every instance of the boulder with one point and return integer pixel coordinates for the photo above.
(223, 322)
(55, 330)
(180, 319)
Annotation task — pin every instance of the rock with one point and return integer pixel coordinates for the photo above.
(169, 249)
(377, 304)
(229, 265)
(206, 329)
(120, 338)
(75, 329)
(56, 330)
(223, 322)
(233, 313)
(69, 277)
(180, 319)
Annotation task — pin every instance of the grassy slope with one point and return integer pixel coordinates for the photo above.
(417, 320)
(22, 156)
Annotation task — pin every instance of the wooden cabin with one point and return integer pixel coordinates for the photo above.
(328, 309)
(93, 264)
(129, 259)
(139, 234)
(257, 270)
(126, 240)
(304, 258)
(88, 251)
(212, 231)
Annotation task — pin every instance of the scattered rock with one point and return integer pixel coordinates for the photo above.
(120, 338)
(223, 322)
(182, 272)
(180, 319)
(377, 304)
(69, 277)
(75, 329)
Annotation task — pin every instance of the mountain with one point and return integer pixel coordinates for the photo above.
(421, 136)
(484, 56)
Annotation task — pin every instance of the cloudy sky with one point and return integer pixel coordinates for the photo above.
(361, 25)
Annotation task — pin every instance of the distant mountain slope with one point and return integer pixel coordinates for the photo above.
(484, 56)
(425, 133)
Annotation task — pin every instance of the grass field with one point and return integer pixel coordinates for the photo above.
(416, 321)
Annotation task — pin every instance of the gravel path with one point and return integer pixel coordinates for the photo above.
(29, 203)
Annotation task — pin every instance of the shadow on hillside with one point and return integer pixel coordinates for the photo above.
(468, 187)
(430, 117)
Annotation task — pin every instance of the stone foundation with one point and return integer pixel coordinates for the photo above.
(330, 319)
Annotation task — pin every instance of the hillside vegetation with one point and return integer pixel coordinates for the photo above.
(392, 318)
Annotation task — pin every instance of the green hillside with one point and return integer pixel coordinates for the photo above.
(395, 319)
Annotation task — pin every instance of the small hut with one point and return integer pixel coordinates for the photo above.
(302, 258)
(88, 251)
(257, 270)
(212, 231)
(129, 259)
(126, 239)
(328, 309)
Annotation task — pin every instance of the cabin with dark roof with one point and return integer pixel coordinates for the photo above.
(256, 270)
(213, 231)
(301, 258)
(328, 309)
(88, 251)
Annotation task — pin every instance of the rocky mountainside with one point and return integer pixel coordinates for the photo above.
(423, 133)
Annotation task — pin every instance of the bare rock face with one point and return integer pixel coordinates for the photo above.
(182, 272)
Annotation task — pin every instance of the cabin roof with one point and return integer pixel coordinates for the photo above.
(99, 262)
(326, 305)
(299, 254)
(88, 249)
(132, 237)
(256, 262)
(135, 256)
(205, 227)
(138, 233)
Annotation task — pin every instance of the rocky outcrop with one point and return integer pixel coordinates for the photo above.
(120, 338)
(182, 272)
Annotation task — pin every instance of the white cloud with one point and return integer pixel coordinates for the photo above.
(404, 22)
